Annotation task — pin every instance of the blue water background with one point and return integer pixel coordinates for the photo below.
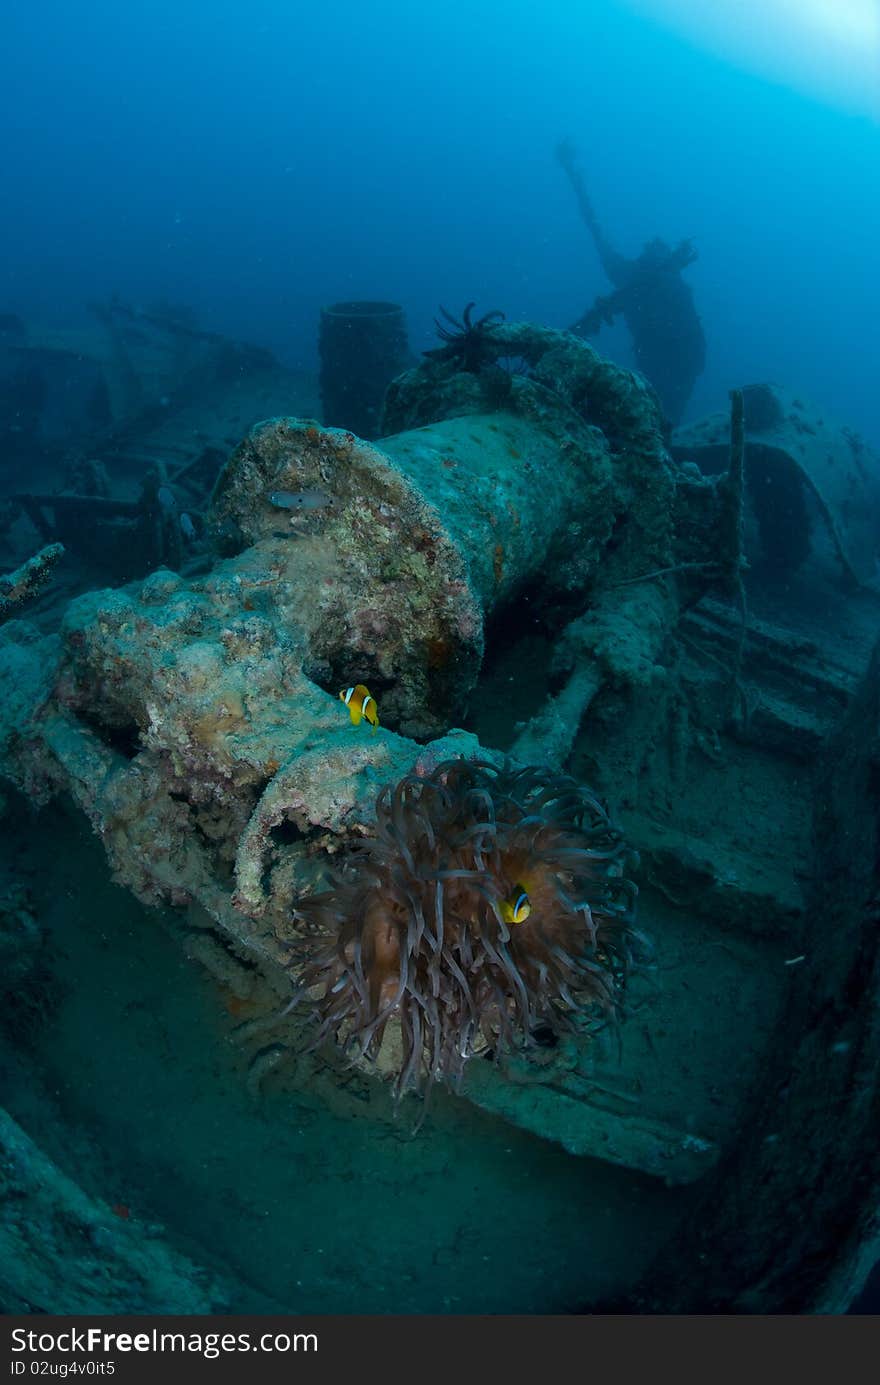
(259, 160)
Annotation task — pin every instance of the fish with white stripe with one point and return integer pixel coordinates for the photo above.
(361, 705)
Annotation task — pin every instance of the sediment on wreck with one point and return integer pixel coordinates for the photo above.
(62, 1250)
(788, 1221)
(810, 484)
(18, 587)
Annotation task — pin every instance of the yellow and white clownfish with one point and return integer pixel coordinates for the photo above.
(361, 705)
(517, 908)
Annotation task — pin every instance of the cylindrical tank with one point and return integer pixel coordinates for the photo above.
(402, 552)
(362, 346)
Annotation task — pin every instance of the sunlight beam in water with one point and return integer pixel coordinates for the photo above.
(827, 49)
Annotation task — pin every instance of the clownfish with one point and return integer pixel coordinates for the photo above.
(517, 908)
(361, 705)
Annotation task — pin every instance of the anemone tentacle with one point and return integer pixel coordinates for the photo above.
(411, 930)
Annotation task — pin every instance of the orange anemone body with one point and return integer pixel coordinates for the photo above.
(413, 927)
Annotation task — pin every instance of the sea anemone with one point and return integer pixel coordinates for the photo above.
(488, 908)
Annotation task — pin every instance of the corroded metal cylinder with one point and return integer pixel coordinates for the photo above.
(362, 346)
(393, 556)
(513, 496)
